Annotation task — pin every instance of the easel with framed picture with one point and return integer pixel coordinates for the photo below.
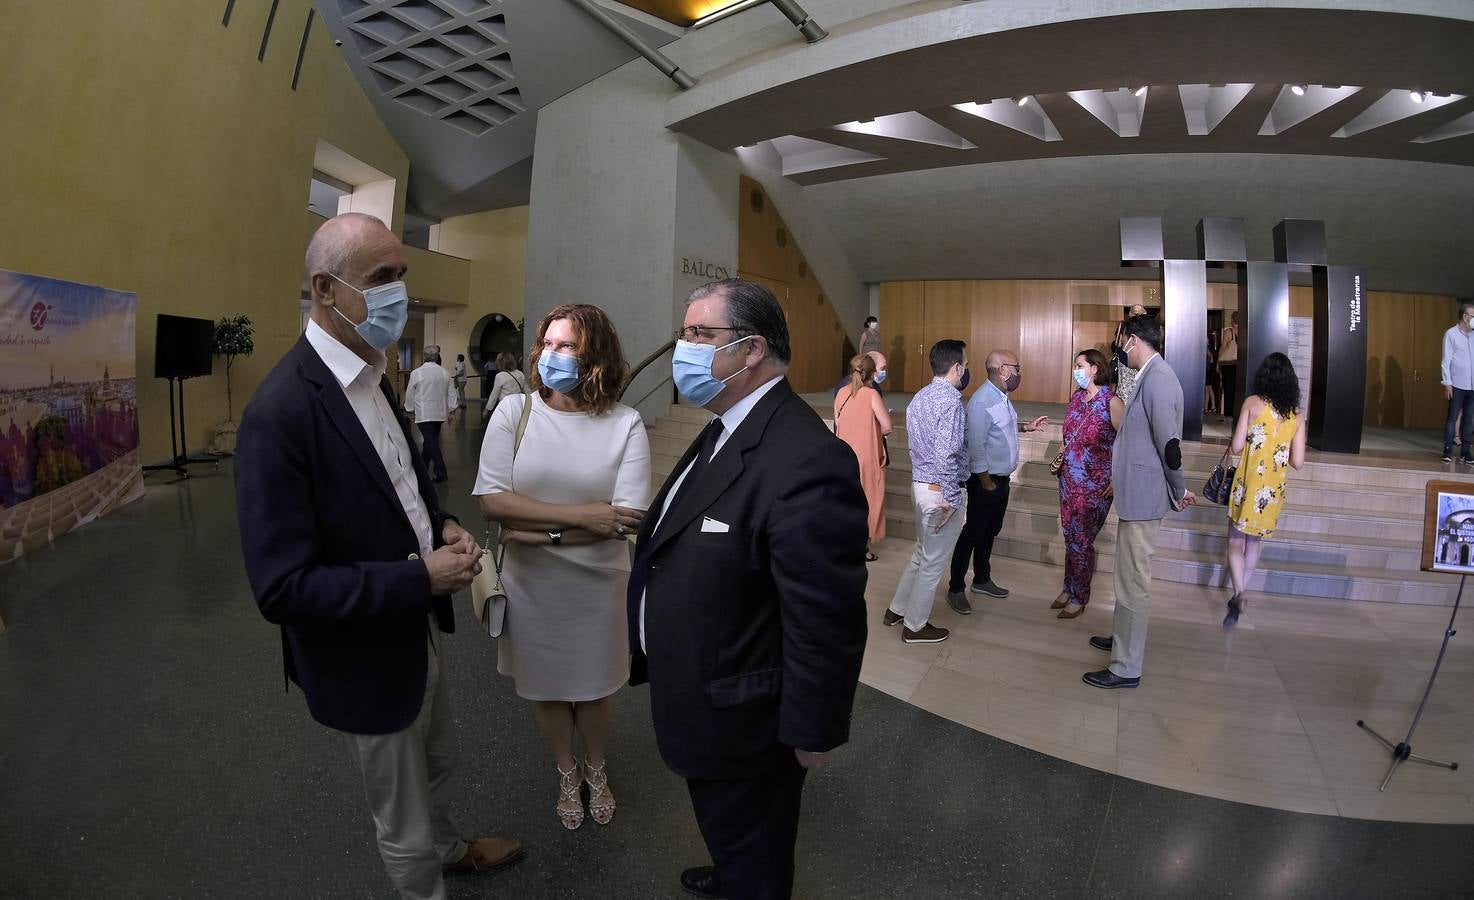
(1448, 546)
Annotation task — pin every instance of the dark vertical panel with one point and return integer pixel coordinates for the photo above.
(1338, 383)
(1221, 240)
(1300, 242)
(229, 8)
(302, 50)
(266, 35)
(1141, 240)
(1185, 333)
(1264, 298)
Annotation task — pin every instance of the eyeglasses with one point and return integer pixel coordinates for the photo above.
(1014, 366)
(692, 332)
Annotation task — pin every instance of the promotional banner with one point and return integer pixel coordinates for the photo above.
(68, 408)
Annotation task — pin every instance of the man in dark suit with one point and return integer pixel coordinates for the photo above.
(747, 599)
(346, 549)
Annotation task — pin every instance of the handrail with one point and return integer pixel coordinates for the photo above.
(664, 349)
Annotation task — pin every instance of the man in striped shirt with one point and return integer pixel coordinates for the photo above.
(936, 428)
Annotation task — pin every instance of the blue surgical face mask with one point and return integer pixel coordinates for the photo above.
(690, 366)
(558, 371)
(1082, 379)
(388, 310)
(880, 376)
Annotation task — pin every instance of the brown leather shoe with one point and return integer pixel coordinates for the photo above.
(485, 854)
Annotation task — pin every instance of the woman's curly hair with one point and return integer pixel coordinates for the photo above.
(601, 364)
(1278, 384)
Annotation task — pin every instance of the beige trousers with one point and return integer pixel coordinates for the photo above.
(406, 777)
(1135, 542)
(935, 541)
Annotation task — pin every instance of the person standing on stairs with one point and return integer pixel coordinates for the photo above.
(1148, 481)
(992, 448)
(936, 428)
(1269, 441)
(861, 420)
(1458, 383)
(1095, 412)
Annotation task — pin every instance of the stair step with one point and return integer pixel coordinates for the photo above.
(1350, 530)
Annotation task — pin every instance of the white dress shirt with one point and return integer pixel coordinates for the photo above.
(430, 394)
(1458, 358)
(730, 420)
(360, 384)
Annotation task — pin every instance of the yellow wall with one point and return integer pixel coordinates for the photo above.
(146, 149)
(495, 245)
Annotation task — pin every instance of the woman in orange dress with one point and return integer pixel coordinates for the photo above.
(860, 419)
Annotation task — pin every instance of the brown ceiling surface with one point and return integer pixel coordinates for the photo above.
(1378, 51)
(679, 12)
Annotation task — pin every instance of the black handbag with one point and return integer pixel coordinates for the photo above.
(1220, 484)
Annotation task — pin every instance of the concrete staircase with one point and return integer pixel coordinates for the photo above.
(1350, 530)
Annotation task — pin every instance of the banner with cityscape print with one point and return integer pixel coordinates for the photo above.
(68, 408)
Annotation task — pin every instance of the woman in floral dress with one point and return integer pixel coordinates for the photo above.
(1085, 477)
(1269, 440)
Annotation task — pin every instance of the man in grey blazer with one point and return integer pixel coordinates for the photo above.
(1146, 476)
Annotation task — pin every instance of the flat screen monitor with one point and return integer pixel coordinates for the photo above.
(183, 347)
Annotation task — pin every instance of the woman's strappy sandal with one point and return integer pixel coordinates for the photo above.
(570, 801)
(601, 799)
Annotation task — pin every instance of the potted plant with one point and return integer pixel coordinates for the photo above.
(234, 336)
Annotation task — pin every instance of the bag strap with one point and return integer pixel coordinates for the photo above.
(840, 411)
(501, 551)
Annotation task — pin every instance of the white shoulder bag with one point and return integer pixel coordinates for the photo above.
(488, 597)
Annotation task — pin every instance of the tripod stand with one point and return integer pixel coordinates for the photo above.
(1403, 751)
(179, 453)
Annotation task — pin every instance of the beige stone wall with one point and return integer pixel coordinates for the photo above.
(146, 149)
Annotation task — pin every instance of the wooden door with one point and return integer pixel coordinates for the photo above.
(1045, 336)
(950, 309)
(902, 318)
(995, 315)
(1430, 316)
(1392, 351)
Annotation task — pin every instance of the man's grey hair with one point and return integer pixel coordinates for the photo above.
(431, 353)
(334, 242)
(751, 309)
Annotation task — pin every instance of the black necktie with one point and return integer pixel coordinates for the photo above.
(704, 454)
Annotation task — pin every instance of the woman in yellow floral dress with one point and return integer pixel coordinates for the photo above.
(1269, 440)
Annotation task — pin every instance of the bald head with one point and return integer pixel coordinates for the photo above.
(350, 254)
(878, 357)
(998, 359)
(335, 241)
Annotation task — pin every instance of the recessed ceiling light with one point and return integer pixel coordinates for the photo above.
(1298, 90)
(1141, 91)
(1022, 101)
(1417, 96)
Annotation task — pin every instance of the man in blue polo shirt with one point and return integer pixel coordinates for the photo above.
(992, 447)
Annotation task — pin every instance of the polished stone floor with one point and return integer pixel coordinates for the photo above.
(147, 750)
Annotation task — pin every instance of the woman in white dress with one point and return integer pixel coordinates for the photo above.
(508, 381)
(575, 494)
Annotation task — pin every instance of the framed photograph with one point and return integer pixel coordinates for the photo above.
(1448, 527)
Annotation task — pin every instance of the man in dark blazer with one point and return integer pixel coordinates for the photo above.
(347, 549)
(747, 598)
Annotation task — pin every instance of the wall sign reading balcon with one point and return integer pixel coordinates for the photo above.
(701, 268)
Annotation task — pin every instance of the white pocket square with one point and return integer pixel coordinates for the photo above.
(712, 526)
